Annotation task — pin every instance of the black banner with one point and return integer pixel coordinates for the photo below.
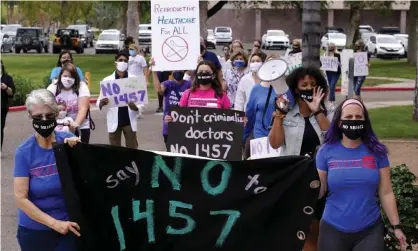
(127, 199)
(206, 132)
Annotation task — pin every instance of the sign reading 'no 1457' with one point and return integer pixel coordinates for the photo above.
(120, 92)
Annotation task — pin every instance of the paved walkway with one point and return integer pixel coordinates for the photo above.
(397, 82)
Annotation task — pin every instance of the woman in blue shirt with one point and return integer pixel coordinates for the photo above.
(64, 57)
(353, 167)
(43, 223)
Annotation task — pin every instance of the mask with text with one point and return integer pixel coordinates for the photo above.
(44, 127)
(204, 78)
(306, 95)
(352, 129)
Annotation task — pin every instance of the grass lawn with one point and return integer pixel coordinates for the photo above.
(394, 122)
(392, 68)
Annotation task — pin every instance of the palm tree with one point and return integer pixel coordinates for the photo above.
(311, 33)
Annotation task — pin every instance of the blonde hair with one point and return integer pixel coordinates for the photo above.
(239, 52)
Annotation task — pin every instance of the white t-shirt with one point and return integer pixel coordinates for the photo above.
(71, 100)
(136, 65)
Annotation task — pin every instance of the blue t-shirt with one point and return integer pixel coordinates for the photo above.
(56, 72)
(353, 181)
(210, 56)
(38, 164)
(172, 95)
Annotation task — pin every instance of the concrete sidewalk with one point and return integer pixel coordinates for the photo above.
(381, 104)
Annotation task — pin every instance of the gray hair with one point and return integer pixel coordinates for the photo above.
(41, 97)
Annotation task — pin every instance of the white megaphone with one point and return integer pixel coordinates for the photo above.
(271, 72)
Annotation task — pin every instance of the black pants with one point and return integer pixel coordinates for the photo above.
(85, 135)
(165, 142)
(247, 147)
(3, 123)
(160, 100)
(370, 239)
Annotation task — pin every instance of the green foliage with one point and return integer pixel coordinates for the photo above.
(406, 194)
(3, 13)
(23, 87)
(45, 81)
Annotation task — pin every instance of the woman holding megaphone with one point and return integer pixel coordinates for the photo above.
(299, 130)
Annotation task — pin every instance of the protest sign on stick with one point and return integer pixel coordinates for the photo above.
(122, 91)
(260, 148)
(329, 63)
(361, 64)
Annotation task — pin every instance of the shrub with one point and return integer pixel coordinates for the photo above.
(46, 81)
(23, 87)
(406, 194)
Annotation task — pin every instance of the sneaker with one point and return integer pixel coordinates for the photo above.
(159, 110)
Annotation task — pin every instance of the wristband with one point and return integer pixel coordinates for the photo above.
(396, 227)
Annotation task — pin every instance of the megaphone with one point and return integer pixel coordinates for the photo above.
(271, 71)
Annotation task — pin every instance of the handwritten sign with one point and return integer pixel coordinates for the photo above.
(175, 34)
(346, 54)
(260, 148)
(293, 61)
(122, 91)
(129, 200)
(329, 63)
(361, 67)
(206, 132)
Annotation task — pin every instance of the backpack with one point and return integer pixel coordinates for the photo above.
(92, 124)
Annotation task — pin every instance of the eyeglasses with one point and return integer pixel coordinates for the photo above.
(46, 116)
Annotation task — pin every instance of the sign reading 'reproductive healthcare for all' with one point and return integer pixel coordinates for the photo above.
(127, 199)
(175, 34)
(120, 92)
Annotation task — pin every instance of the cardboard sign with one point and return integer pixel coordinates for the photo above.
(260, 149)
(175, 34)
(206, 132)
(361, 67)
(122, 91)
(129, 200)
(329, 63)
(346, 54)
(293, 61)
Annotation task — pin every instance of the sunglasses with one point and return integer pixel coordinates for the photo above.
(46, 116)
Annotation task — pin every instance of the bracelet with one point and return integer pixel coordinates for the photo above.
(318, 112)
(396, 227)
(279, 115)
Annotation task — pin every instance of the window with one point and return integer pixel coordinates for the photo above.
(337, 35)
(144, 27)
(276, 33)
(109, 37)
(387, 40)
(80, 28)
(28, 32)
(223, 29)
(12, 28)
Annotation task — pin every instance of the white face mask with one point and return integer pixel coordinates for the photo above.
(62, 114)
(121, 66)
(255, 66)
(67, 81)
(186, 77)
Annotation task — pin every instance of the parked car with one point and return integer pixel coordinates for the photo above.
(366, 27)
(223, 35)
(211, 40)
(339, 39)
(385, 46)
(31, 38)
(275, 38)
(331, 29)
(365, 36)
(403, 39)
(389, 30)
(68, 39)
(145, 34)
(11, 29)
(84, 30)
(6, 43)
(109, 42)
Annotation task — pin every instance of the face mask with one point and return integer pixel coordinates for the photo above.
(186, 77)
(204, 78)
(306, 94)
(352, 129)
(295, 47)
(239, 63)
(202, 48)
(44, 127)
(178, 75)
(132, 53)
(62, 114)
(121, 66)
(67, 82)
(255, 66)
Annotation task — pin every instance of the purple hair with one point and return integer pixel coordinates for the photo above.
(334, 133)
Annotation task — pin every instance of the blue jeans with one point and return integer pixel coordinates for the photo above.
(332, 78)
(45, 240)
(358, 82)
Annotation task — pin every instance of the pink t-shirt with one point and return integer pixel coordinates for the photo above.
(204, 98)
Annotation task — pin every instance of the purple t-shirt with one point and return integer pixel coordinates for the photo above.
(172, 95)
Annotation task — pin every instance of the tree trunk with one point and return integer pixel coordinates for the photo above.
(415, 112)
(203, 13)
(123, 21)
(354, 20)
(133, 20)
(412, 32)
(311, 33)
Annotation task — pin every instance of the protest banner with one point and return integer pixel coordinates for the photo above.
(293, 61)
(129, 200)
(346, 54)
(329, 63)
(206, 132)
(361, 64)
(124, 90)
(260, 148)
(175, 34)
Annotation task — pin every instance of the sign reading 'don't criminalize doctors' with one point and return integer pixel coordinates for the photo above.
(130, 200)
(175, 34)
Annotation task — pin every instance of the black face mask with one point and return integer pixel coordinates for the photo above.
(306, 94)
(352, 129)
(295, 48)
(44, 127)
(202, 49)
(178, 75)
(204, 78)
